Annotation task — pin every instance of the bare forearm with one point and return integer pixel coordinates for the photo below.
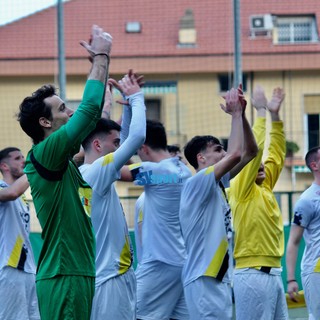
(261, 112)
(15, 190)
(236, 135)
(275, 116)
(291, 260)
(100, 68)
(250, 144)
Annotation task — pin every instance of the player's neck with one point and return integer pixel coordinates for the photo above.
(90, 157)
(159, 155)
(316, 180)
(8, 179)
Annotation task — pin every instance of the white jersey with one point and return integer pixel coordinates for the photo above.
(161, 235)
(15, 245)
(113, 249)
(205, 219)
(113, 246)
(307, 215)
(138, 219)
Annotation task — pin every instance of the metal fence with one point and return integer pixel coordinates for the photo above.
(286, 201)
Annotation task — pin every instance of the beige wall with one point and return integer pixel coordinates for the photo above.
(197, 100)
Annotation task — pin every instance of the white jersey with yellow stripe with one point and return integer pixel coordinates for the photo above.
(15, 246)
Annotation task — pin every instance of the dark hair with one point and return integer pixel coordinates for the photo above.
(173, 148)
(198, 144)
(4, 153)
(32, 109)
(311, 156)
(156, 137)
(104, 126)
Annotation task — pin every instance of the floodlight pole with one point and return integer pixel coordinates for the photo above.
(61, 53)
(237, 44)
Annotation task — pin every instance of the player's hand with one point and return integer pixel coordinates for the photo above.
(276, 100)
(293, 290)
(100, 42)
(233, 104)
(242, 99)
(128, 85)
(139, 79)
(258, 99)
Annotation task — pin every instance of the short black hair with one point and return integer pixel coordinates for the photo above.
(156, 137)
(4, 153)
(311, 156)
(198, 144)
(103, 126)
(173, 148)
(32, 108)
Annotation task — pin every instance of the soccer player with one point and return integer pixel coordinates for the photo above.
(66, 266)
(257, 220)
(115, 295)
(306, 223)
(205, 214)
(18, 299)
(159, 287)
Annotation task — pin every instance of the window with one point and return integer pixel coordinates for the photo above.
(313, 130)
(295, 30)
(133, 27)
(311, 109)
(153, 109)
(226, 82)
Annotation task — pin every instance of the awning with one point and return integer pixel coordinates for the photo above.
(159, 87)
(301, 169)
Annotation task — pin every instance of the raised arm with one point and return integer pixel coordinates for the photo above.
(107, 106)
(250, 148)
(275, 103)
(126, 108)
(89, 111)
(137, 131)
(99, 48)
(259, 101)
(233, 107)
(276, 151)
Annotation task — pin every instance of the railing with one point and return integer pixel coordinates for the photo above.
(286, 202)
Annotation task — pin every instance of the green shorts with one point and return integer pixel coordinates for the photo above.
(65, 297)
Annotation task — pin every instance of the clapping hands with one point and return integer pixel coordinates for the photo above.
(128, 87)
(235, 101)
(276, 100)
(100, 42)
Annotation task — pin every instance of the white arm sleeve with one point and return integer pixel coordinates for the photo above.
(125, 123)
(137, 131)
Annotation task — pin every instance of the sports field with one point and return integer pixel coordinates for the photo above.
(299, 313)
(296, 314)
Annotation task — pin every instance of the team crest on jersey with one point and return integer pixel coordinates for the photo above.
(24, 200)
(85, 197)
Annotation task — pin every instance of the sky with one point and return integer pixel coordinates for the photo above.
(12, 10)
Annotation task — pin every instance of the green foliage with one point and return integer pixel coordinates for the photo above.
(291, 147)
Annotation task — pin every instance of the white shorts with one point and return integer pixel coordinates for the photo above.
(116, 298)
(311, 285)
(208, 298)
(18, 298)
(160, 292)
(259, 295)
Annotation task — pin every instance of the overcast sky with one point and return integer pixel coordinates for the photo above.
(14, 9)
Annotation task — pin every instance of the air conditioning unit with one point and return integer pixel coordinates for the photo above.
(261, 22)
